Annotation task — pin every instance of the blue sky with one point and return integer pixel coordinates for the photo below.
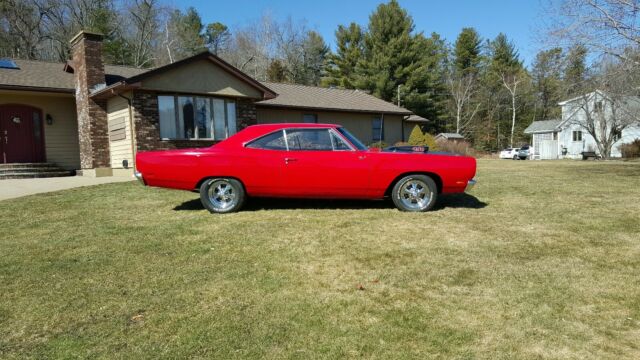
(516, 18)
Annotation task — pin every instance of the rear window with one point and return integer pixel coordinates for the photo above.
(273, 141)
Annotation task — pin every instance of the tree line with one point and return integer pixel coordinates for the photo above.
(474, 86)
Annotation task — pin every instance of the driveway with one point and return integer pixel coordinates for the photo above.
(14, 188)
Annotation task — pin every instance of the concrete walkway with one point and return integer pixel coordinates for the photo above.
(14, 188)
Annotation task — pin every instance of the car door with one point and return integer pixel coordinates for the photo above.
(320, 163)
(263, 165)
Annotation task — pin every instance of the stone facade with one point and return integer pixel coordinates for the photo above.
(92, 115)
(246, 113)
(146, 121)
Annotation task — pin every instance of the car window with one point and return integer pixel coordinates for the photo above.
(273, 141)
(309, 140)
(338, 143)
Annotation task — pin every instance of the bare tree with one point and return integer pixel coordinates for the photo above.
(463, 89)
(605, 26)
(511, 82)
(21, 27)
(144, 28)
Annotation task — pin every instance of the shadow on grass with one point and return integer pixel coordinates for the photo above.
(444, 201)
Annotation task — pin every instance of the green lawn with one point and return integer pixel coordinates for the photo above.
(542, 262)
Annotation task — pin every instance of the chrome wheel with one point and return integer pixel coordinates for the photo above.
(222, 194)
(415, 194)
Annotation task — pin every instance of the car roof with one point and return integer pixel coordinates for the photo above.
(256, 131)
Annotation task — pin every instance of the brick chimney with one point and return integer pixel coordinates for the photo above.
(88, 69)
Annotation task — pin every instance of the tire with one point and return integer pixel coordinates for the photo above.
(222, 195)
(415, 193)
(515, 157)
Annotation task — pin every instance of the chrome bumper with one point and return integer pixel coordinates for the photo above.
(470, 184)
(138, 176)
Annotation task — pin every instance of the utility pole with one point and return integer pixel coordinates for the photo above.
(399, 95)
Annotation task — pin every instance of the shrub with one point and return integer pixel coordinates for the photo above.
(630, 150)
(456, 147)
(418, 138)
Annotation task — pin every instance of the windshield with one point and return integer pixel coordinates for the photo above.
(352, 139)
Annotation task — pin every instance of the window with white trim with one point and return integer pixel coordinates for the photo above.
(196, 117)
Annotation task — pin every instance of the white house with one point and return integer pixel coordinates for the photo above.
(567, 137)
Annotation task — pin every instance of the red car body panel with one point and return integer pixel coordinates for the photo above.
(357, 174)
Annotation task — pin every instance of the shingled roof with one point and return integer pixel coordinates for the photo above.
(542, 126)
(50, 76)
(313, 97)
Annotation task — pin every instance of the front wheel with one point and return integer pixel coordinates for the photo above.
(415, 193)
(222, 195)
(515, 157)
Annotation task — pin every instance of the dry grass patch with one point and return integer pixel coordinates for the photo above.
(541, 262)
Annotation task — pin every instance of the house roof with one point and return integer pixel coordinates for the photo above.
(450, 136)
(332, 99)
(50, 76)
(542, 126)
(58, 77)
(205, 55)
(416, 118)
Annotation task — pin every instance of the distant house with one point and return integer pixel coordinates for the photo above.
(88, 116)
(449, 137)
(567, 138)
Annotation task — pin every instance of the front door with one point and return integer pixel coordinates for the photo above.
(21, 134)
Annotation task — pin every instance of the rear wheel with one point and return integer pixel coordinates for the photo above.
(222, 195)
(415, 193)
(515, 157)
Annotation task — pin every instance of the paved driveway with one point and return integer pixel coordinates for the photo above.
(14, 188)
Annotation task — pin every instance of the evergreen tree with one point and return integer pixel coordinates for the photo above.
(187, 32)
(504, 56)
(467, 49)
(393, 56)
(217, 36)
(277, 72)
(315, 52)
(547, 81)
(341, 67)
(575, 71)
(389, 52)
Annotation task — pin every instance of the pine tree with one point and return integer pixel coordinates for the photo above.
(389, 52)
(187, 32)
(341, 67)
(315, 52)
(467, 49)
(217, 36)
(575, 71)
(547, 81)
(277, 72)
(394, 56)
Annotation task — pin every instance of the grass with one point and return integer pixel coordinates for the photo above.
(541, 262)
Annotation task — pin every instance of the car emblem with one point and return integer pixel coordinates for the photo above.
(16, 120)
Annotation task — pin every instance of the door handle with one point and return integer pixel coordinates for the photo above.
(362, 157)
(288, 160)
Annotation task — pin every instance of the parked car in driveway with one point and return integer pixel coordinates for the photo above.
(524, 152)
(509, 153)
(306, 161)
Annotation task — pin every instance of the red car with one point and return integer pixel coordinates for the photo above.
(306, 161)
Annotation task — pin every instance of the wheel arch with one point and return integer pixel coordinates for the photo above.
(434, 176)
(199, 183)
